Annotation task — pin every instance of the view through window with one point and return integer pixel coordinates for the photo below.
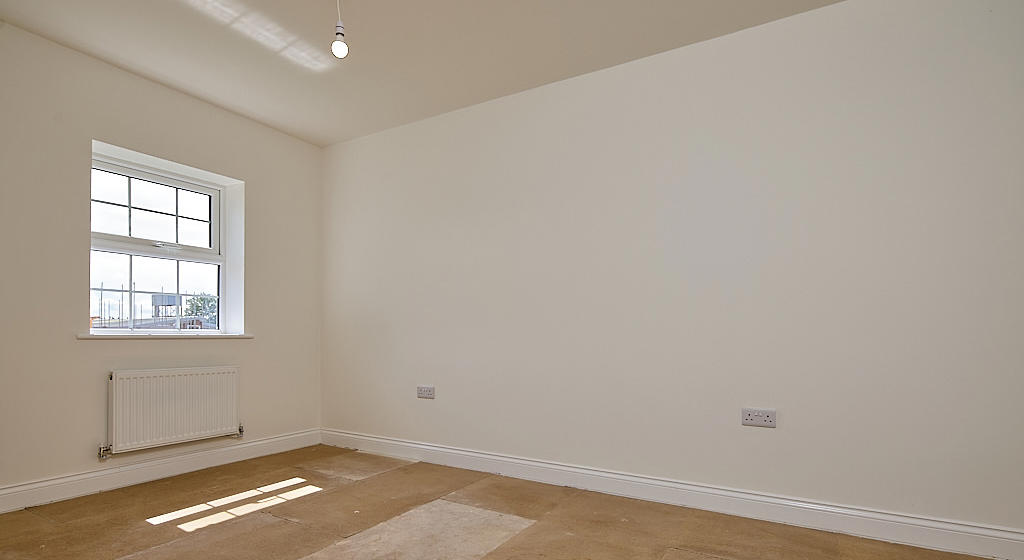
(155, 263)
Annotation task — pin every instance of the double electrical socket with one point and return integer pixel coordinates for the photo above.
(425, 392)
(762, 417)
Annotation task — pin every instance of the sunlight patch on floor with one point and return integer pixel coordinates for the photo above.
(247, 508)
(237, 511)
(205, 521)
(184, 512)
(234, 498)
(280, 485)
(257, 505)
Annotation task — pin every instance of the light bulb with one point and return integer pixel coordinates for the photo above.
(339, 48)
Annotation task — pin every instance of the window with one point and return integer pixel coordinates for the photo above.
(157, 259)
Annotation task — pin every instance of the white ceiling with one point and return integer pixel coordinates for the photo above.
(270, 59)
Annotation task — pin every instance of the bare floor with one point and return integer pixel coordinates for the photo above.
(327, 503)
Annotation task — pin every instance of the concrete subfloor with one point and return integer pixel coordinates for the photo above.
(326, 503)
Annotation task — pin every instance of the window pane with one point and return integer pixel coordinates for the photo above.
(199, 312)
(156, 311)
(193, 232)
(193, 205)
(110, 187)
(150, 225)
(108, 270)
(152, 196)
(109, 310)
(107, 218)
(199, 278)
(154, 275)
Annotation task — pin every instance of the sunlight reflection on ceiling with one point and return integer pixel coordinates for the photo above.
(237, 511)
(264, 31)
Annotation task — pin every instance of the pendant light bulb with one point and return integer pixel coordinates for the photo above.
(339, 47)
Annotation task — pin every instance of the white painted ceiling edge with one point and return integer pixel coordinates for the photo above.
(270, 61)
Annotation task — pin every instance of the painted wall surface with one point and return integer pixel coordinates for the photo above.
(824, 214)
(53, 103)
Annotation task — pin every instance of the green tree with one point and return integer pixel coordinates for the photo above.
(201, 305)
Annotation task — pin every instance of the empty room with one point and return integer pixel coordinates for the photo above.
(512, 279)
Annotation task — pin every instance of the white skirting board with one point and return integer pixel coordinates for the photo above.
(38, 492)
(953, 536)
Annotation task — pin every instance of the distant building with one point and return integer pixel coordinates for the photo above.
(165, 305)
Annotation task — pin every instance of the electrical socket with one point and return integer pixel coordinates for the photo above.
(761, 417)
(425, 392)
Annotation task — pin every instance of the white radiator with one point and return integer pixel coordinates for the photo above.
(149, 408)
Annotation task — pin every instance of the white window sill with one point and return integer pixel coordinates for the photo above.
(148, 336)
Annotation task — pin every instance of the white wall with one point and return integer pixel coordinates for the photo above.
(53, 103)
(823, 214)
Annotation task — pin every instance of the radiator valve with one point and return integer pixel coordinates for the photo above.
(105, 452)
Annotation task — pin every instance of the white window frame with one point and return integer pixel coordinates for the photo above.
(226, 243)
